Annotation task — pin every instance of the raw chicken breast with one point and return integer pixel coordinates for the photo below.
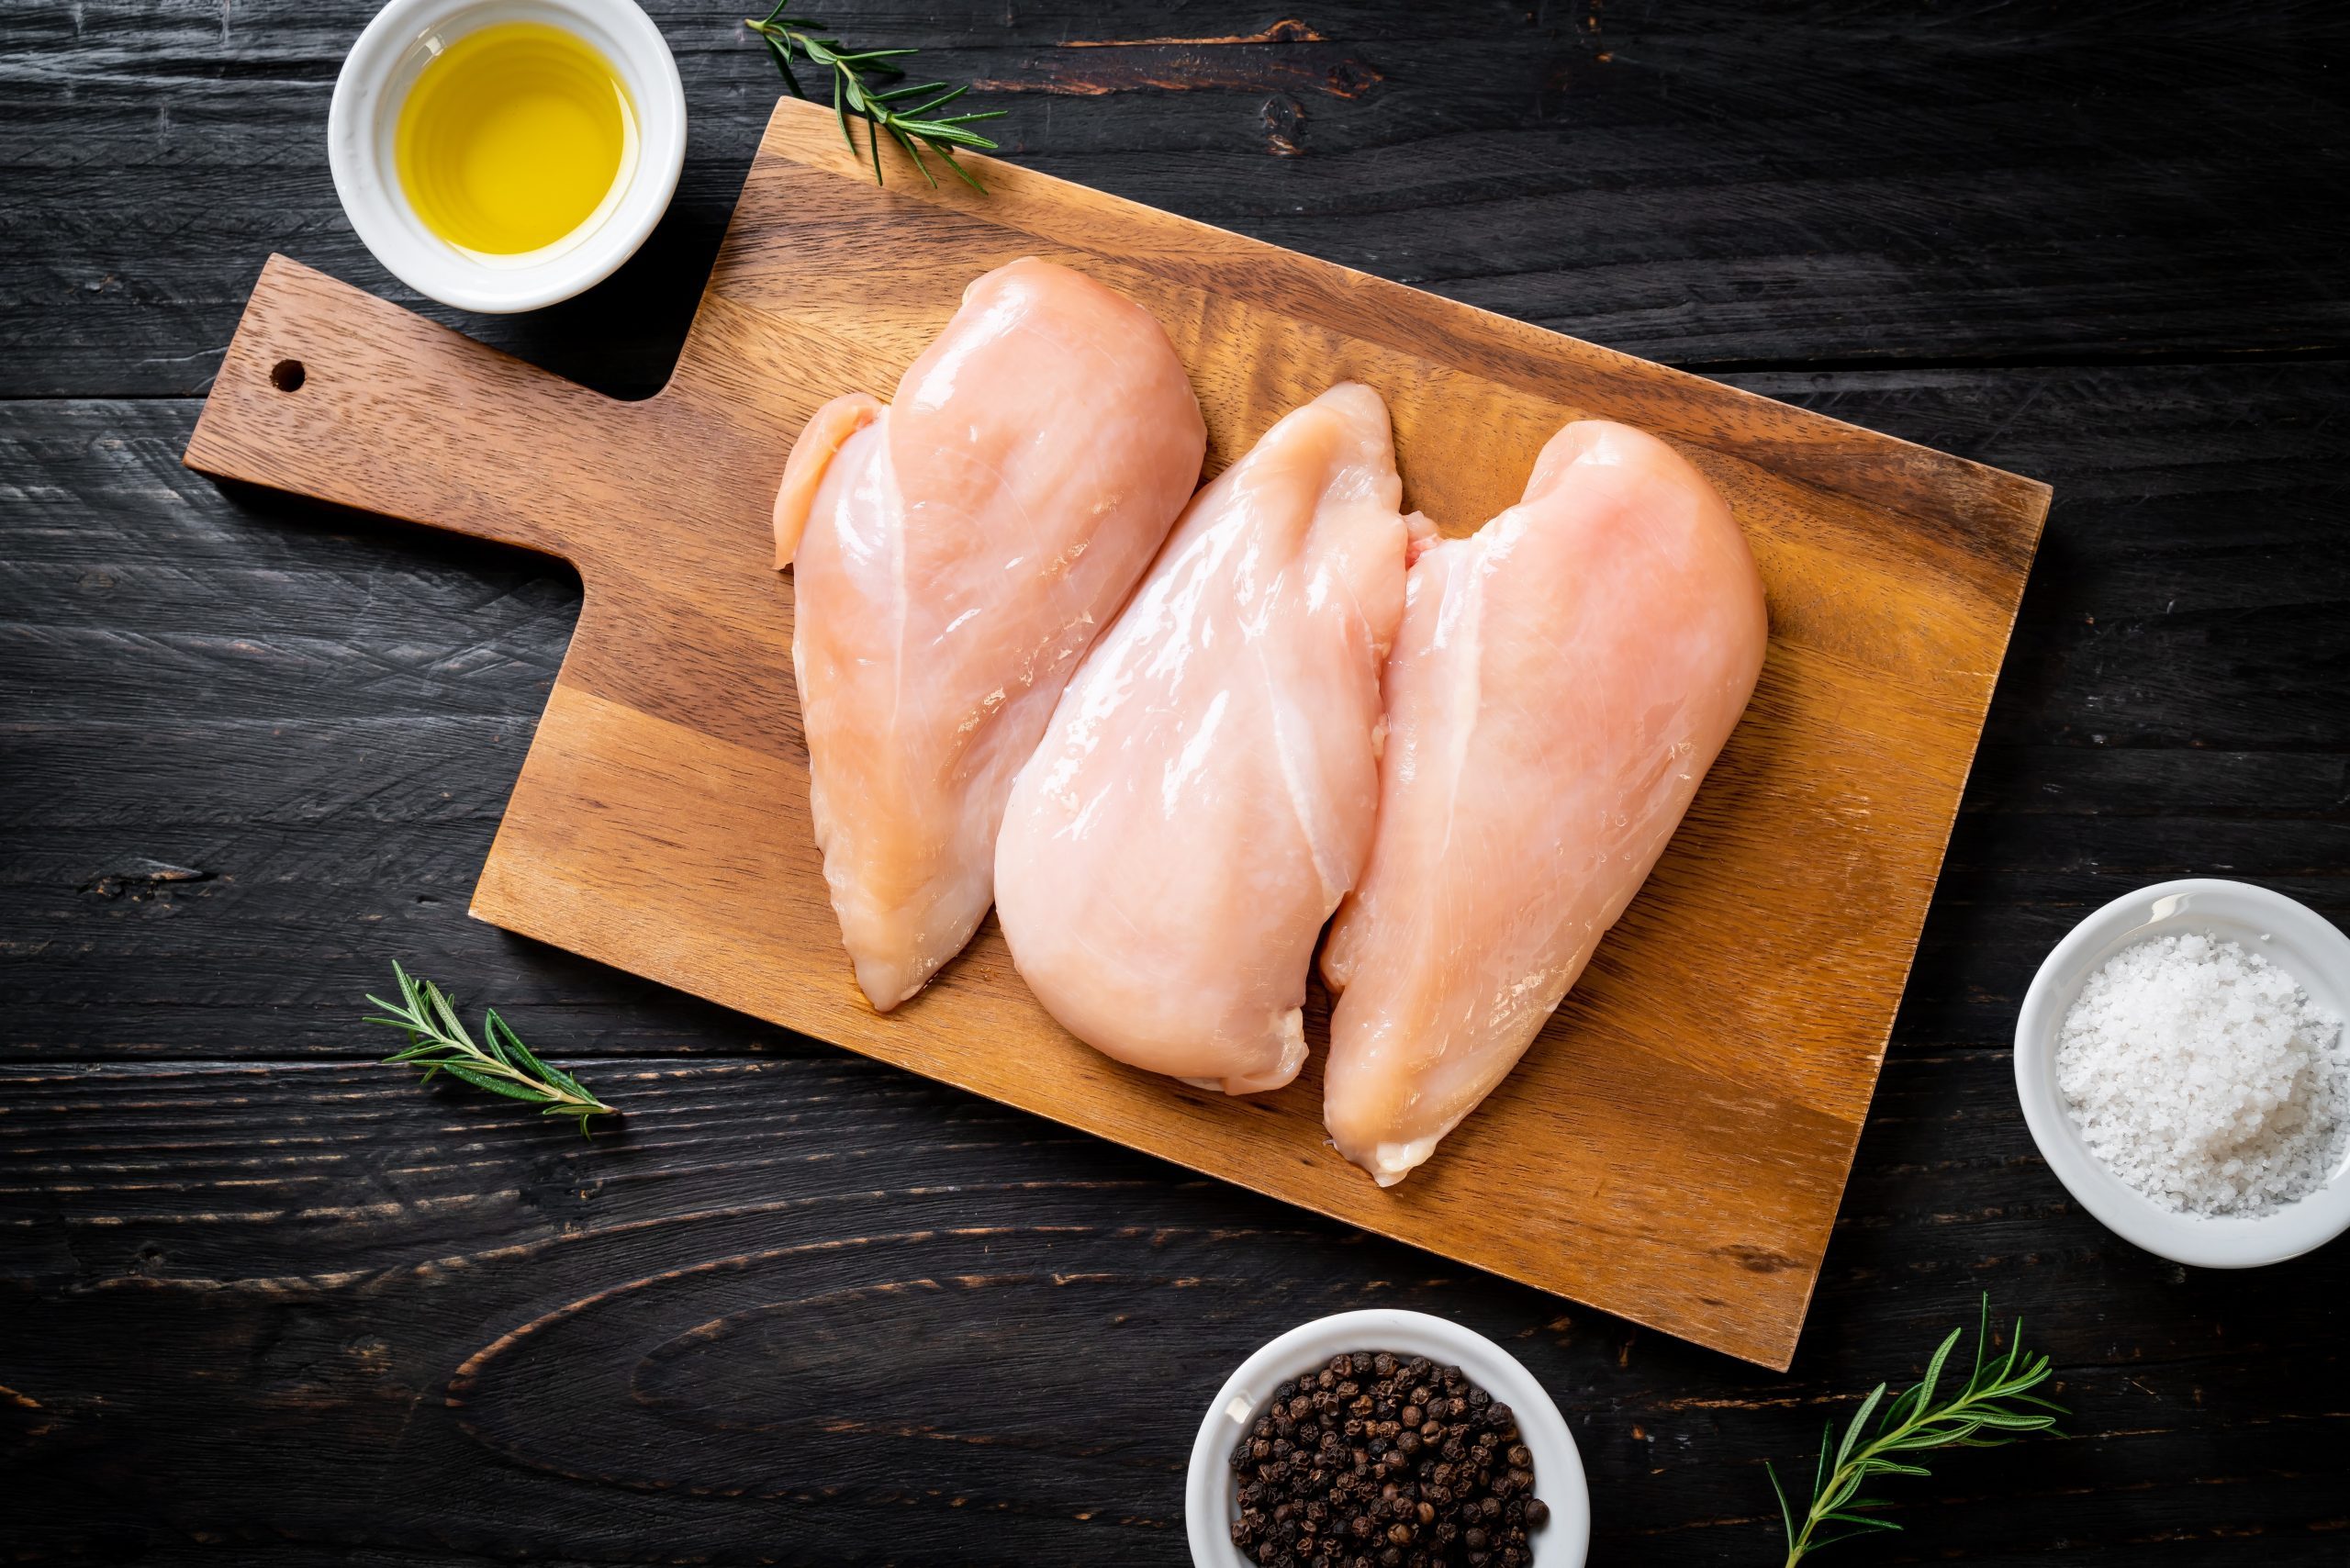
(953, 555)
(1204, 796)
(1560, 683)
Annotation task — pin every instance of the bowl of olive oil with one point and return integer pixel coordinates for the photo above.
(499, 155)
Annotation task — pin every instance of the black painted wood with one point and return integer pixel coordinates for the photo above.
(259, 1297)
(1715, 185)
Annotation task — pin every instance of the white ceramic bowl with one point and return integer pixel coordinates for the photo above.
(375, 79)
(2293, 936)
(1210, 1500)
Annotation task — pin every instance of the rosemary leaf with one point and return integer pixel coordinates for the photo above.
(437, 1041)
(855, 95)
(480, 1079)
(1988, 1411)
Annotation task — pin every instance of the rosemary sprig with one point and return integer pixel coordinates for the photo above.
(437, 1039)
(886, 111)
(1984, 1414)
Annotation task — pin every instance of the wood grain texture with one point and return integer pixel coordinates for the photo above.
(812, 1310)
(1710, 183)
(2092, 243)
(1672, 1151)
(322, 713)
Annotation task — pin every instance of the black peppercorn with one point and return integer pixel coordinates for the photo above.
(1377, 1458)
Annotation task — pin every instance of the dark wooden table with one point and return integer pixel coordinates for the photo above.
(263, 1301)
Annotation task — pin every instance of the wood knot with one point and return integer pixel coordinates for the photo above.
(139, 879)
(1284, 120)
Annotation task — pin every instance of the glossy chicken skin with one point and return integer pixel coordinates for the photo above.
(1562, 682)
(953, 555)
(1204, 796)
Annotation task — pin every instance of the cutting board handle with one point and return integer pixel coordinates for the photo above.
(328, 392)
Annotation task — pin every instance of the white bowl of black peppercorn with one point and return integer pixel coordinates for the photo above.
(1212, 1493)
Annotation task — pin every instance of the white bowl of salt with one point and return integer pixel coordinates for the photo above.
(2183, 1065)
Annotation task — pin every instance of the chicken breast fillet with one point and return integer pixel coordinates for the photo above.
(1560, 683)
(953, 555)
(1204, 796)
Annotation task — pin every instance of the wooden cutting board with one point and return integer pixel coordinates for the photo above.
(1672, 1150)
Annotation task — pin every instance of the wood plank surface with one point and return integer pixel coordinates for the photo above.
(333, 773)
(815, 1310)
(1710, 183)
(1675, 1147)
(251, 750)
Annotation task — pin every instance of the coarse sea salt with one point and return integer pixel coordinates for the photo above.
(2202, 1075)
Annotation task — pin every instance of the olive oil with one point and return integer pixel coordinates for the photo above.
(514, 138)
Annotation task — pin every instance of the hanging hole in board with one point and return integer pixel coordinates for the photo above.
(287, 375)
